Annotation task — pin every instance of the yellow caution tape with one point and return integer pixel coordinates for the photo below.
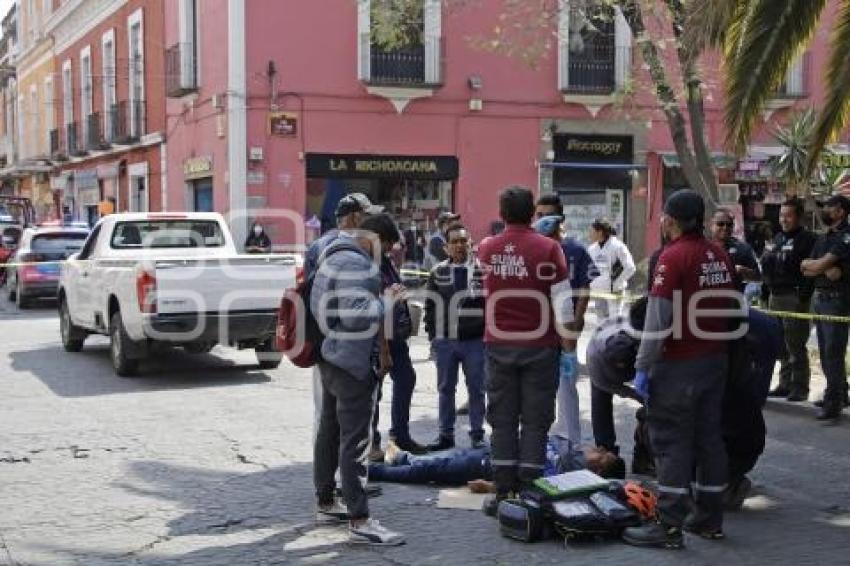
(593, 294)
(805, 316)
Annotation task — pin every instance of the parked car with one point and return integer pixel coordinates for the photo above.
(33, 270)
(10, 235)
(162, 278)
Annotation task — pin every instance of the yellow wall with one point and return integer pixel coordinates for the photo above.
(34, 66)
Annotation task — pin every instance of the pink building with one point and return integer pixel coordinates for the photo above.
(288, 105)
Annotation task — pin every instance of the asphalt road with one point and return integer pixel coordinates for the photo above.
(206, 460)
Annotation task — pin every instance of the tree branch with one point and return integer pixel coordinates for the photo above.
(693, 91)
(666, 96)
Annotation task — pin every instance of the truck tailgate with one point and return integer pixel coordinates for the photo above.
(220, 286)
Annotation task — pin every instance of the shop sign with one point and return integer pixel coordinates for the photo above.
(381, 166)
(836, 160)
(591, 148)
(283, 124)
(86, 179)
(198, 168)
(105, 207)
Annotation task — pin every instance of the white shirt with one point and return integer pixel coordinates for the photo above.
(605, 257)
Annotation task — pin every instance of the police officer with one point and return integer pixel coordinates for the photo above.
(790, 291)
(682, 374)
(829, 266)
(742, 254)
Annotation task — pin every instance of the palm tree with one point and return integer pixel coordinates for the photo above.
(760, 40)
(792, 165)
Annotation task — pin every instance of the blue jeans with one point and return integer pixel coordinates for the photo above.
(455, 468)
(404, 382)
(832, 343)
(451, 354)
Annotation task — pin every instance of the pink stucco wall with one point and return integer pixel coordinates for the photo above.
(193, 125)
(313, 45)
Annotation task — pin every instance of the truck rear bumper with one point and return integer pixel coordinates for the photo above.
(228, 328)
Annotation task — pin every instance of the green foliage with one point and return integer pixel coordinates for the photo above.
(397, 24)
(760, 43)
(791, 166)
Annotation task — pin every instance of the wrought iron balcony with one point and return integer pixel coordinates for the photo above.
(74, 147)
(401, 67)
(594, 70)
(181, 70)
(96, 140)
(127, 122)
(55, 143)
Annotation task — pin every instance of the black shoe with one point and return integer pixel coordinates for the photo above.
(829, 413)
(654, 535)
(477, 442)
(441, 443)
(779, 392)
(798, 396)
(819, 403)
(463, 410)
(410, 445)
(707, 534)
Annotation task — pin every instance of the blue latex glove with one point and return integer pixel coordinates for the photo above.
(569, 366)
(548, 224)
(641, 384)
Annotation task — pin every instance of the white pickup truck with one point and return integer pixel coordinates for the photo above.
(146, 279)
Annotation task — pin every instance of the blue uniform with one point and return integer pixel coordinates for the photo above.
(580, 266)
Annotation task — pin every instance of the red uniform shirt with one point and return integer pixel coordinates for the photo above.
(520, 269)
(687, 266)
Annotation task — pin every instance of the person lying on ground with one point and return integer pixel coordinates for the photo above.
(459, 467)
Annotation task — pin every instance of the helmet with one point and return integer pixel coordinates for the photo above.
(640, 499)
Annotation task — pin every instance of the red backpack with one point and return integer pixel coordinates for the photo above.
(298, 335)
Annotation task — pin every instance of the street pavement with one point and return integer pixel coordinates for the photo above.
(206, 460)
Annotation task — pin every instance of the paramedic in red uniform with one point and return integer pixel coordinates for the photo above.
(682, 373)
(528, 297)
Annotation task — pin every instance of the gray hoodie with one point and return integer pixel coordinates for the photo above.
(611, 356)
(346, 302)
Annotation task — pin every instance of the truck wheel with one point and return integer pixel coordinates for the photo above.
(267, 356)
(119, 346)
(73, 336)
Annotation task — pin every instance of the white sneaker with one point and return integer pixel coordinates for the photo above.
(336, 513)
(372, 532)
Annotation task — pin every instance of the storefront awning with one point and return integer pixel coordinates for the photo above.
(582, 165)
(719, 160)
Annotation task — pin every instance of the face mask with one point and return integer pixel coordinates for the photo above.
(258, 230)
(826, 217)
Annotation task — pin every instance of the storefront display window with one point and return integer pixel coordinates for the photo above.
(592, 176)
(413, 189)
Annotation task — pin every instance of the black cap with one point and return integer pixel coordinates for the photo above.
(356, 202)
(685, 205)
(836, 200)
